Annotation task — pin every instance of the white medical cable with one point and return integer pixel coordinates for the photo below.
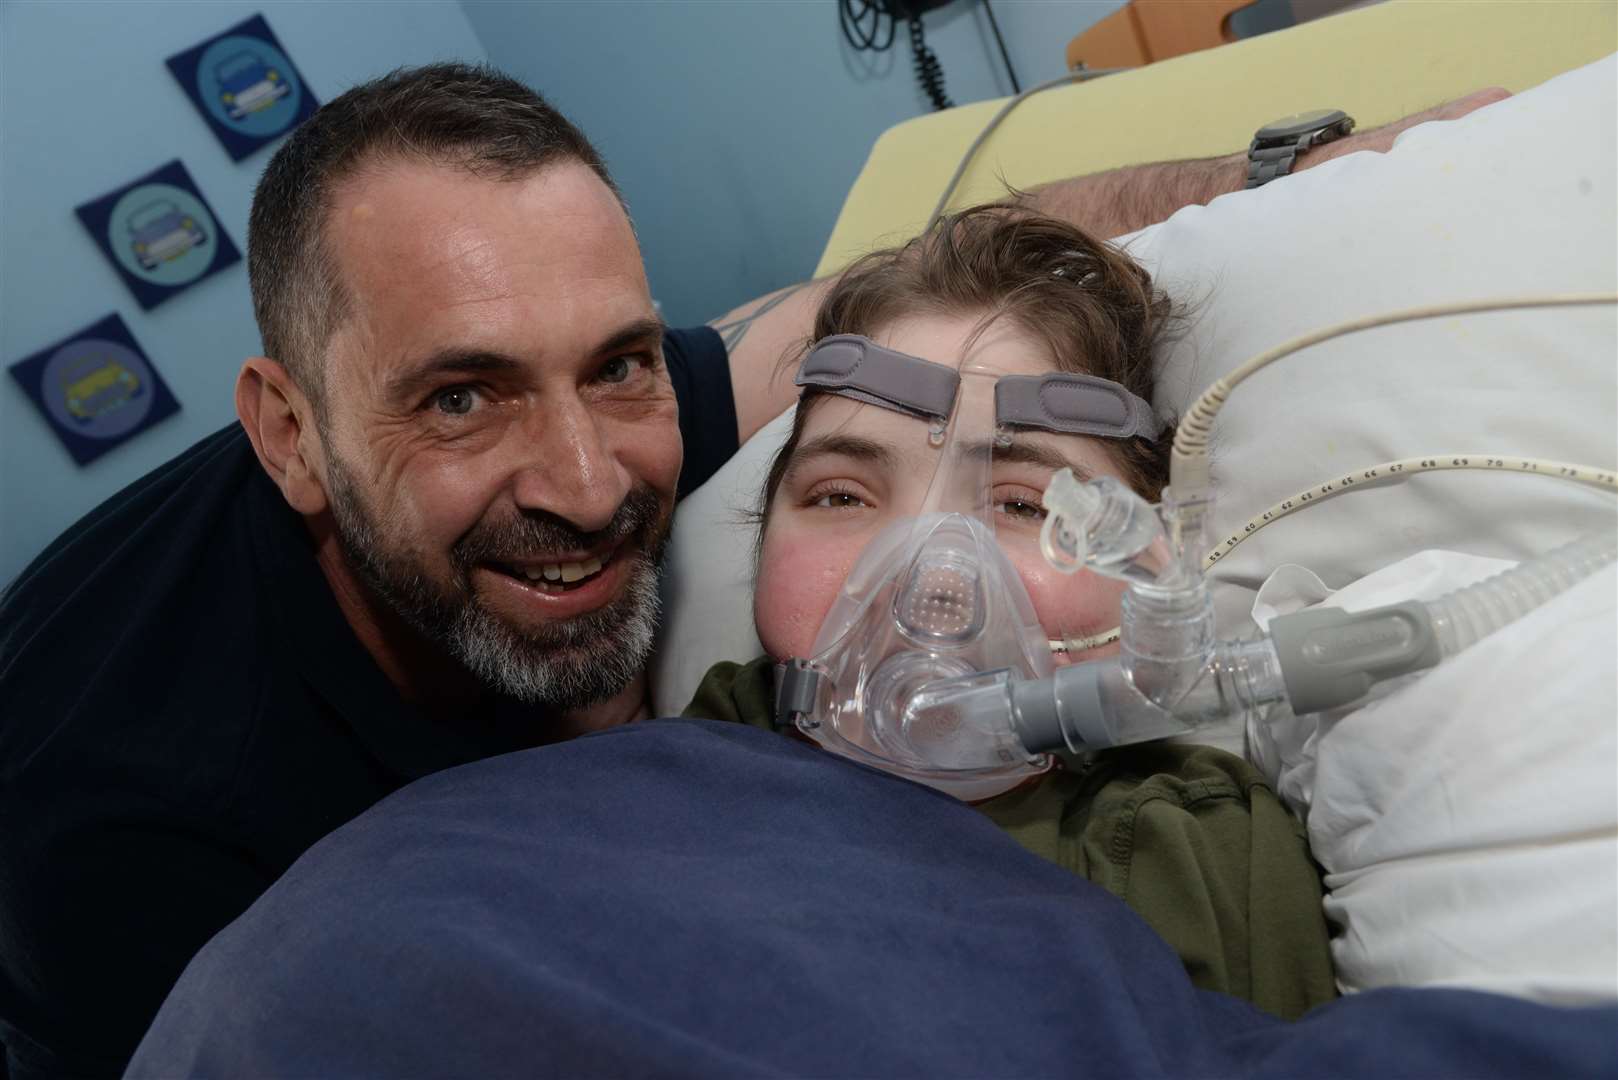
(1188, 467)
(1582, 474)
(1095, 641)
(1082, 75)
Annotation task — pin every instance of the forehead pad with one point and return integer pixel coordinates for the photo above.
(856, 367)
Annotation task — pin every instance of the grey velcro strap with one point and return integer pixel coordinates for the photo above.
(1074, 405)
(857, 367)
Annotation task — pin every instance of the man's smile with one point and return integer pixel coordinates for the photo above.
(546, 591)
(559, 574)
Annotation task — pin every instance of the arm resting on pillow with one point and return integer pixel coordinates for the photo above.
(1123, 200)
(762, 333)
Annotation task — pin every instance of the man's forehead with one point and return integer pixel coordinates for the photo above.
(431, 210)
(435, 257)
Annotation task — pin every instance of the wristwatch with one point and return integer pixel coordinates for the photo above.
(1277, 144)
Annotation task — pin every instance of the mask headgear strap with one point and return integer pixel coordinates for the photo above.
(859, 368)
(1074, 405)
(1070, 404)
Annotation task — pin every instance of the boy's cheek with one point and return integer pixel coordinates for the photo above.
(1072, 605)
(798, 580)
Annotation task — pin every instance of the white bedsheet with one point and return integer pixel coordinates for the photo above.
(1467, 819)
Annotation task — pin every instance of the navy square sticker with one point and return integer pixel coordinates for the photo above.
(96, 388)
(245, 86)
(159, 233)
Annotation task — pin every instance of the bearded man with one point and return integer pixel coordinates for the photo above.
(433, 537)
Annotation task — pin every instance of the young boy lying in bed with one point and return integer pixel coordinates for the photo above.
(885, 437)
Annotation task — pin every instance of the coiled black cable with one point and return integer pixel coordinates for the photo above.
(929, 72)
(865, 36)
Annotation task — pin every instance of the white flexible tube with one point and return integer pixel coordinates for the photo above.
(1466, 615)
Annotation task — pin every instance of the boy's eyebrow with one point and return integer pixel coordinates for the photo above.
(1023, 452)
(883, 456)
(836, 445)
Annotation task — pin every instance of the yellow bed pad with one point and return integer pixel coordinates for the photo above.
(1379, 64)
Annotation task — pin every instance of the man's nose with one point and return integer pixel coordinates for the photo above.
(569, 464)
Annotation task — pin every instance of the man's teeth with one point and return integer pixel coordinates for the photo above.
(566, 573)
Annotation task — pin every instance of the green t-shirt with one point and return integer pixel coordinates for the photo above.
(1190, 837)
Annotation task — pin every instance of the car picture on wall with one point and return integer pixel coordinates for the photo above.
(159, 234)
(95, 388)
(161, 231)
(245, 86)
(97, 384)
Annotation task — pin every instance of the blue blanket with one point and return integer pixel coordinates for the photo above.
(697, 899)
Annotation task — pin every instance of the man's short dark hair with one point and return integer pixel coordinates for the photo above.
(460, 115)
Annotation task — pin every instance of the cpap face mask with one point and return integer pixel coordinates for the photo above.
(937, 596)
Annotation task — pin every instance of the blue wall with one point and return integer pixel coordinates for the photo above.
(735, 129)
(87, 103)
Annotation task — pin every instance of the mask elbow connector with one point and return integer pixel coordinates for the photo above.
(1100, 525)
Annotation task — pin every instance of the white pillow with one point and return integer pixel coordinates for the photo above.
(708, 582)
(1467, 820)
(1516, 198)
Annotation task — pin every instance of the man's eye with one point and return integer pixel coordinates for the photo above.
(619, 369)
(456, 401)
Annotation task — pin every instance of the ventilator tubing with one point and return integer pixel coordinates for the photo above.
(1466, 615)
(1172, 675)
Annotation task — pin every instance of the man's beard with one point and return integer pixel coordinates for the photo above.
(565, 664)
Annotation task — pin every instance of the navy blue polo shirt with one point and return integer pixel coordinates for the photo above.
(183, 712)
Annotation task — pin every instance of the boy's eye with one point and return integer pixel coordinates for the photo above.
(1026, 511)
(455, 401)
(839, 500)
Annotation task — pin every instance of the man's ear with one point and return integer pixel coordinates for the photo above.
(280, 423)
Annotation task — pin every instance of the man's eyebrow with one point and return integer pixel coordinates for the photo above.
(456, 361)
(1023, 452)
(450, 361)
(637, 332)
(849, 446)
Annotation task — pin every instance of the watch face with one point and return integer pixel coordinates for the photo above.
(1289, 127)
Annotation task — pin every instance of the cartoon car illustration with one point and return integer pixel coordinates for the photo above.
(160, 231)
(96, 385)
(247, 84)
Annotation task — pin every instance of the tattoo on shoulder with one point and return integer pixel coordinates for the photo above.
(733, 331)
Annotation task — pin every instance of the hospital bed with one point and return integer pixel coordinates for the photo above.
(1467, 821)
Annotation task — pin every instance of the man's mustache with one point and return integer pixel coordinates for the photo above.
(534, 535)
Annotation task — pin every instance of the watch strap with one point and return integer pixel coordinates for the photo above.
(1265, 163)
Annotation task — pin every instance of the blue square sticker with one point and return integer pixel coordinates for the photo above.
(159, 233)
(245, 86)
(96, 388)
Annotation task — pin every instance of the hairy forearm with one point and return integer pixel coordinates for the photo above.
(1113, 203)
(1122, 200)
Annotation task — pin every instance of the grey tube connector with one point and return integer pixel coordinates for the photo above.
(1038, 707)
(1330, 657)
